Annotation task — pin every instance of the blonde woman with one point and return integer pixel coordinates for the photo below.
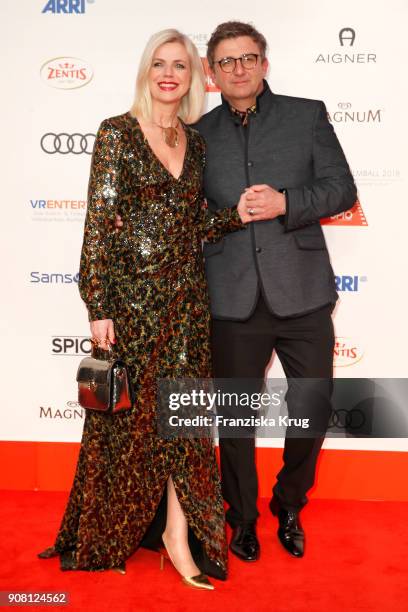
(145, 291)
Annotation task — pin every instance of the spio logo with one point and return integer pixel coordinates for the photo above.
(349, 283)
(67, 143)
(346, 352)
(71, 345)
(53, 278)
(66, 72)
(347, 35)
(66, 6)
(353, 217)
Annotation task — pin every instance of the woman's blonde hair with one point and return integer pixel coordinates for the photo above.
(191, 106)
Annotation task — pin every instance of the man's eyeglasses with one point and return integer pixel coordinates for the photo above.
(248, 61)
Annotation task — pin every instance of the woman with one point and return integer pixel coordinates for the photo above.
(146, 294)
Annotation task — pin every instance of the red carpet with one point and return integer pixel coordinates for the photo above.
(356, 559)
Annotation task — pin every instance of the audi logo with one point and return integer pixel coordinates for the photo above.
(347, 419)
(67, 143)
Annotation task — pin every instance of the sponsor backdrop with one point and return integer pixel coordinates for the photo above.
(69, 64)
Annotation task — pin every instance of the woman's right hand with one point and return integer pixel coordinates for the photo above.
(103, 331)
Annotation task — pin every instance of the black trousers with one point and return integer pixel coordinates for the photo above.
(242, 349)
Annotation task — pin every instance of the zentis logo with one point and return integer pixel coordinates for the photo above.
(346, 352)
(353, 217)
(66, 72)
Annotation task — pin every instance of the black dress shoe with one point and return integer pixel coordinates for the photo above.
(290, 532)
(244, 543)
(209, 566)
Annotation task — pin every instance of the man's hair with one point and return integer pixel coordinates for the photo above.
(233, 29)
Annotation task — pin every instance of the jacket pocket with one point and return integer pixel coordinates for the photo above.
(310, 243)
(212, 248)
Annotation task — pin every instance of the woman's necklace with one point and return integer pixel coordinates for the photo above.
(170, 134)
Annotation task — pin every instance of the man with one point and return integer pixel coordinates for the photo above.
(271, 287)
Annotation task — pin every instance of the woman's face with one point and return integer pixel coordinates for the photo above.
(170, 73)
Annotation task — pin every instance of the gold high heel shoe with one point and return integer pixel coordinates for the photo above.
(196, 582)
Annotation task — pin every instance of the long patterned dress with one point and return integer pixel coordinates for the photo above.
(149, 279)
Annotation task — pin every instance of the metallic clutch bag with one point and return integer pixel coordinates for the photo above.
(103, 382)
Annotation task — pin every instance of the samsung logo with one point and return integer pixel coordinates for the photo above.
(56, 278)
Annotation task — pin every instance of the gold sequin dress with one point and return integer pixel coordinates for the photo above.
(149, 279)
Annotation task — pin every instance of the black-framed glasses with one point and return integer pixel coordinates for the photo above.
(248, 62)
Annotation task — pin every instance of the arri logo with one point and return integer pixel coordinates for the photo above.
(349, 283)
(71, 346)
(53, 278)
(346, 352)
(66, 72)
(353, 217)
(76, 7)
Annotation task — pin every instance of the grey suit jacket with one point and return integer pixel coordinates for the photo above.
(289, 143)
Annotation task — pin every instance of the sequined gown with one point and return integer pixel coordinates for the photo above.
(149, 279)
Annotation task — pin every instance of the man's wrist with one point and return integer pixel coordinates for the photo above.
(284, 200)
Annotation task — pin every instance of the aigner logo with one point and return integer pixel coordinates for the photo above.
(67, 143)
(66, 72)
(346, 38)
(76, 7)
(348, 35)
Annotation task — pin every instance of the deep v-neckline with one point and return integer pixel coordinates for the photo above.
(157, 158)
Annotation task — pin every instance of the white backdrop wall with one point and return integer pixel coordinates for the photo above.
(360, 74)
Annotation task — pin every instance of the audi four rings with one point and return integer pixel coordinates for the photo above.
(67, 143)
(351, 419)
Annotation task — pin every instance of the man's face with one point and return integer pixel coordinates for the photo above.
(240, 85)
